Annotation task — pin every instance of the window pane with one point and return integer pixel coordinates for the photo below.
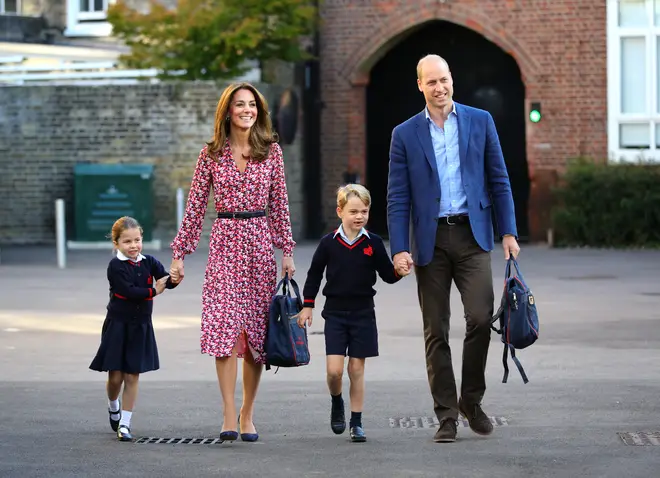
(633, 75)
(84, 5)
(657, 135)
(634, 136)
(632, 13)
(98, 5)
(11, 6)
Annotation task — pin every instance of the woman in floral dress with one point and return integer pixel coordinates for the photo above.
(244, 166)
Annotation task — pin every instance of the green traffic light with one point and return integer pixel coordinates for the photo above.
(535, 116)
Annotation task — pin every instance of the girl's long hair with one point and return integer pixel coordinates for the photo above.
(261, 132)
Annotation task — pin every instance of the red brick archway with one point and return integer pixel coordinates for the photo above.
(393, 29)
(357, 67)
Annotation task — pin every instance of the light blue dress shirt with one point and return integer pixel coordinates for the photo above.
(453, 200)
(340, 231)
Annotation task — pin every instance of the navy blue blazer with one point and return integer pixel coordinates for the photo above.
(132, 288)
(413, 187)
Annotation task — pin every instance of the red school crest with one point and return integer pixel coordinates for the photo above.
(368, 251)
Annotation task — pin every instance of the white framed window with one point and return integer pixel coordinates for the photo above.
(92, 10)
(10, 7)
(87, 18)
(633, 80)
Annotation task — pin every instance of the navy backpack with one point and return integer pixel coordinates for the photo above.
(286, 342)
(519, 320)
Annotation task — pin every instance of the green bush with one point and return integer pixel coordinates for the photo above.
(605, 205)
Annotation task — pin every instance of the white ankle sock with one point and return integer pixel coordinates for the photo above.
(125, 418)
(113, 405)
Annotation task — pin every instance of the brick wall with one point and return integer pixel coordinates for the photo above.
(45, 130)
(560, 47)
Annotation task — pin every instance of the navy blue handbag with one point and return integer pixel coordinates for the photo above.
(286, 342)
(518, 317)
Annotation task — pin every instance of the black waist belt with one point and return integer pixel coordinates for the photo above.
(451, 220)
(241, 214)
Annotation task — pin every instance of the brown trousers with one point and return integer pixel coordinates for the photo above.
(457, 257)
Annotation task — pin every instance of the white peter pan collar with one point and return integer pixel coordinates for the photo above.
(122, 257)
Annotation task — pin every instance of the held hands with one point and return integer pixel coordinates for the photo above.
(176, 270)
(288, 267)
(305, 315)
(160, 284)
(510, 246)
(403, 263)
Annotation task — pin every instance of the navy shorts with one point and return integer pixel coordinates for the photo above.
(351, 333)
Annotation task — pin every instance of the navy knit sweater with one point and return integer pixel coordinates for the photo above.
(132, 288)
(350, 272)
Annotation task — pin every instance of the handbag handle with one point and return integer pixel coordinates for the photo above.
(291, 284)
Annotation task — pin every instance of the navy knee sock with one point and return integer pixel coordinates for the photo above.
(356, 419)
(337, 401)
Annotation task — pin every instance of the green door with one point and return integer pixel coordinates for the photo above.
(105, 192)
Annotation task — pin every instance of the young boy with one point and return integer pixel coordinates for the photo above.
(351, 257)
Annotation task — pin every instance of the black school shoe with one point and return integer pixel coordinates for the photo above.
(114, 424)
(357, 435)
(124, 433)
(338, 419)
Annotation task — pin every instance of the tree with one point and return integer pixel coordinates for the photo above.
(211, 39)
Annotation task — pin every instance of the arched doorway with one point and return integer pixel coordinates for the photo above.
(485, 77)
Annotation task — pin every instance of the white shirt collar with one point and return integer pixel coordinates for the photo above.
(340, 231)
(122, 257)
(428, 116)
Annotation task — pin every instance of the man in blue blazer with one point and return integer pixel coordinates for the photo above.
(447, 174)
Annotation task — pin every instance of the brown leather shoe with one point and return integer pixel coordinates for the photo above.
(477, 419)
(446, 431)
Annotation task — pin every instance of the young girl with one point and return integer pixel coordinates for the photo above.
(351, 256)
(128, 345)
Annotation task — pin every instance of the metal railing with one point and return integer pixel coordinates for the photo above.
(17, 74)
(12, 59)
(14, 71)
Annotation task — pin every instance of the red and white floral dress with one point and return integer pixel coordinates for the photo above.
(241, 273)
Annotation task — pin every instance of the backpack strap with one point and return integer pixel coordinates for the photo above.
(506, 365)
(268, 367)
(499, 313)
(515, 361)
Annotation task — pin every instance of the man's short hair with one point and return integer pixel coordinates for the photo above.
(428, 57)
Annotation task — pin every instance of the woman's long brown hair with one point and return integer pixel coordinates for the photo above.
(261, 132)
